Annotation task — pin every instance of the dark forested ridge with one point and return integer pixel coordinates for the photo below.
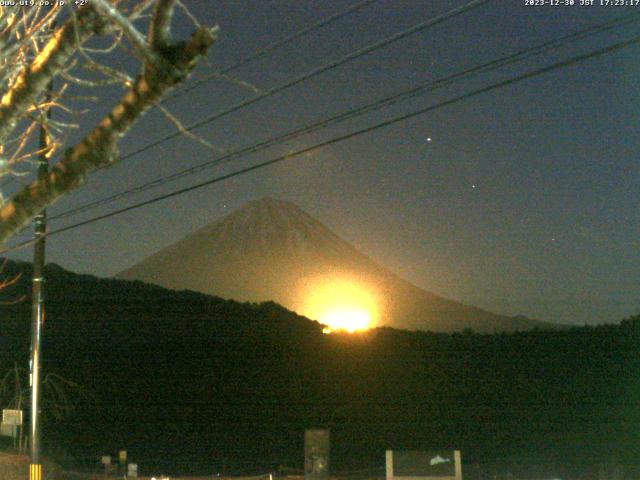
(193, 383)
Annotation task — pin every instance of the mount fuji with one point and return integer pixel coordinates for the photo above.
(273, 250)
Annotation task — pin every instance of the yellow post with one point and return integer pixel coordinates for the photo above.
(35, 471)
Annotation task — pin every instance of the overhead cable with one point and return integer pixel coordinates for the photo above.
(373, 106)
(432, 22)
(563, 64)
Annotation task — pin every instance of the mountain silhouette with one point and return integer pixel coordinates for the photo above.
(273, 250)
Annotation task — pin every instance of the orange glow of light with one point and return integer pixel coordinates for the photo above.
(347, 319)
(342, 304)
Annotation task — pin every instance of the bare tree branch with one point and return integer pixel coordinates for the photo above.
(182, 129)
(139, 9)
(99, 147)
(160, 26)
(135, 37)
(35, 77)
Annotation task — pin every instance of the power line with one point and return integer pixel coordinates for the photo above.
(313, 73)
(384, 102)
(386, 123)
(260, 53)
(317, 71)
(274, 46)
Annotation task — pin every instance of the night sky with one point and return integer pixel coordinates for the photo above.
(521, 200)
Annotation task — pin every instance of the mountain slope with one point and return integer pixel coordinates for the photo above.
(273, 250)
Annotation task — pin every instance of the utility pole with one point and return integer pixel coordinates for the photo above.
(37, 306)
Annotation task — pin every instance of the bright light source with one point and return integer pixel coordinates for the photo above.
(340, 303)
(346, 319)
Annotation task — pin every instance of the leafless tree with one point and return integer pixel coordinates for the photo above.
(60, 395)
(41, 44)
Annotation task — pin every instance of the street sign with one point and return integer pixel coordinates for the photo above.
(132, 470)
(420, 465)
(106, 460)
(122, 456)
(12, 417)
(9, 430)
